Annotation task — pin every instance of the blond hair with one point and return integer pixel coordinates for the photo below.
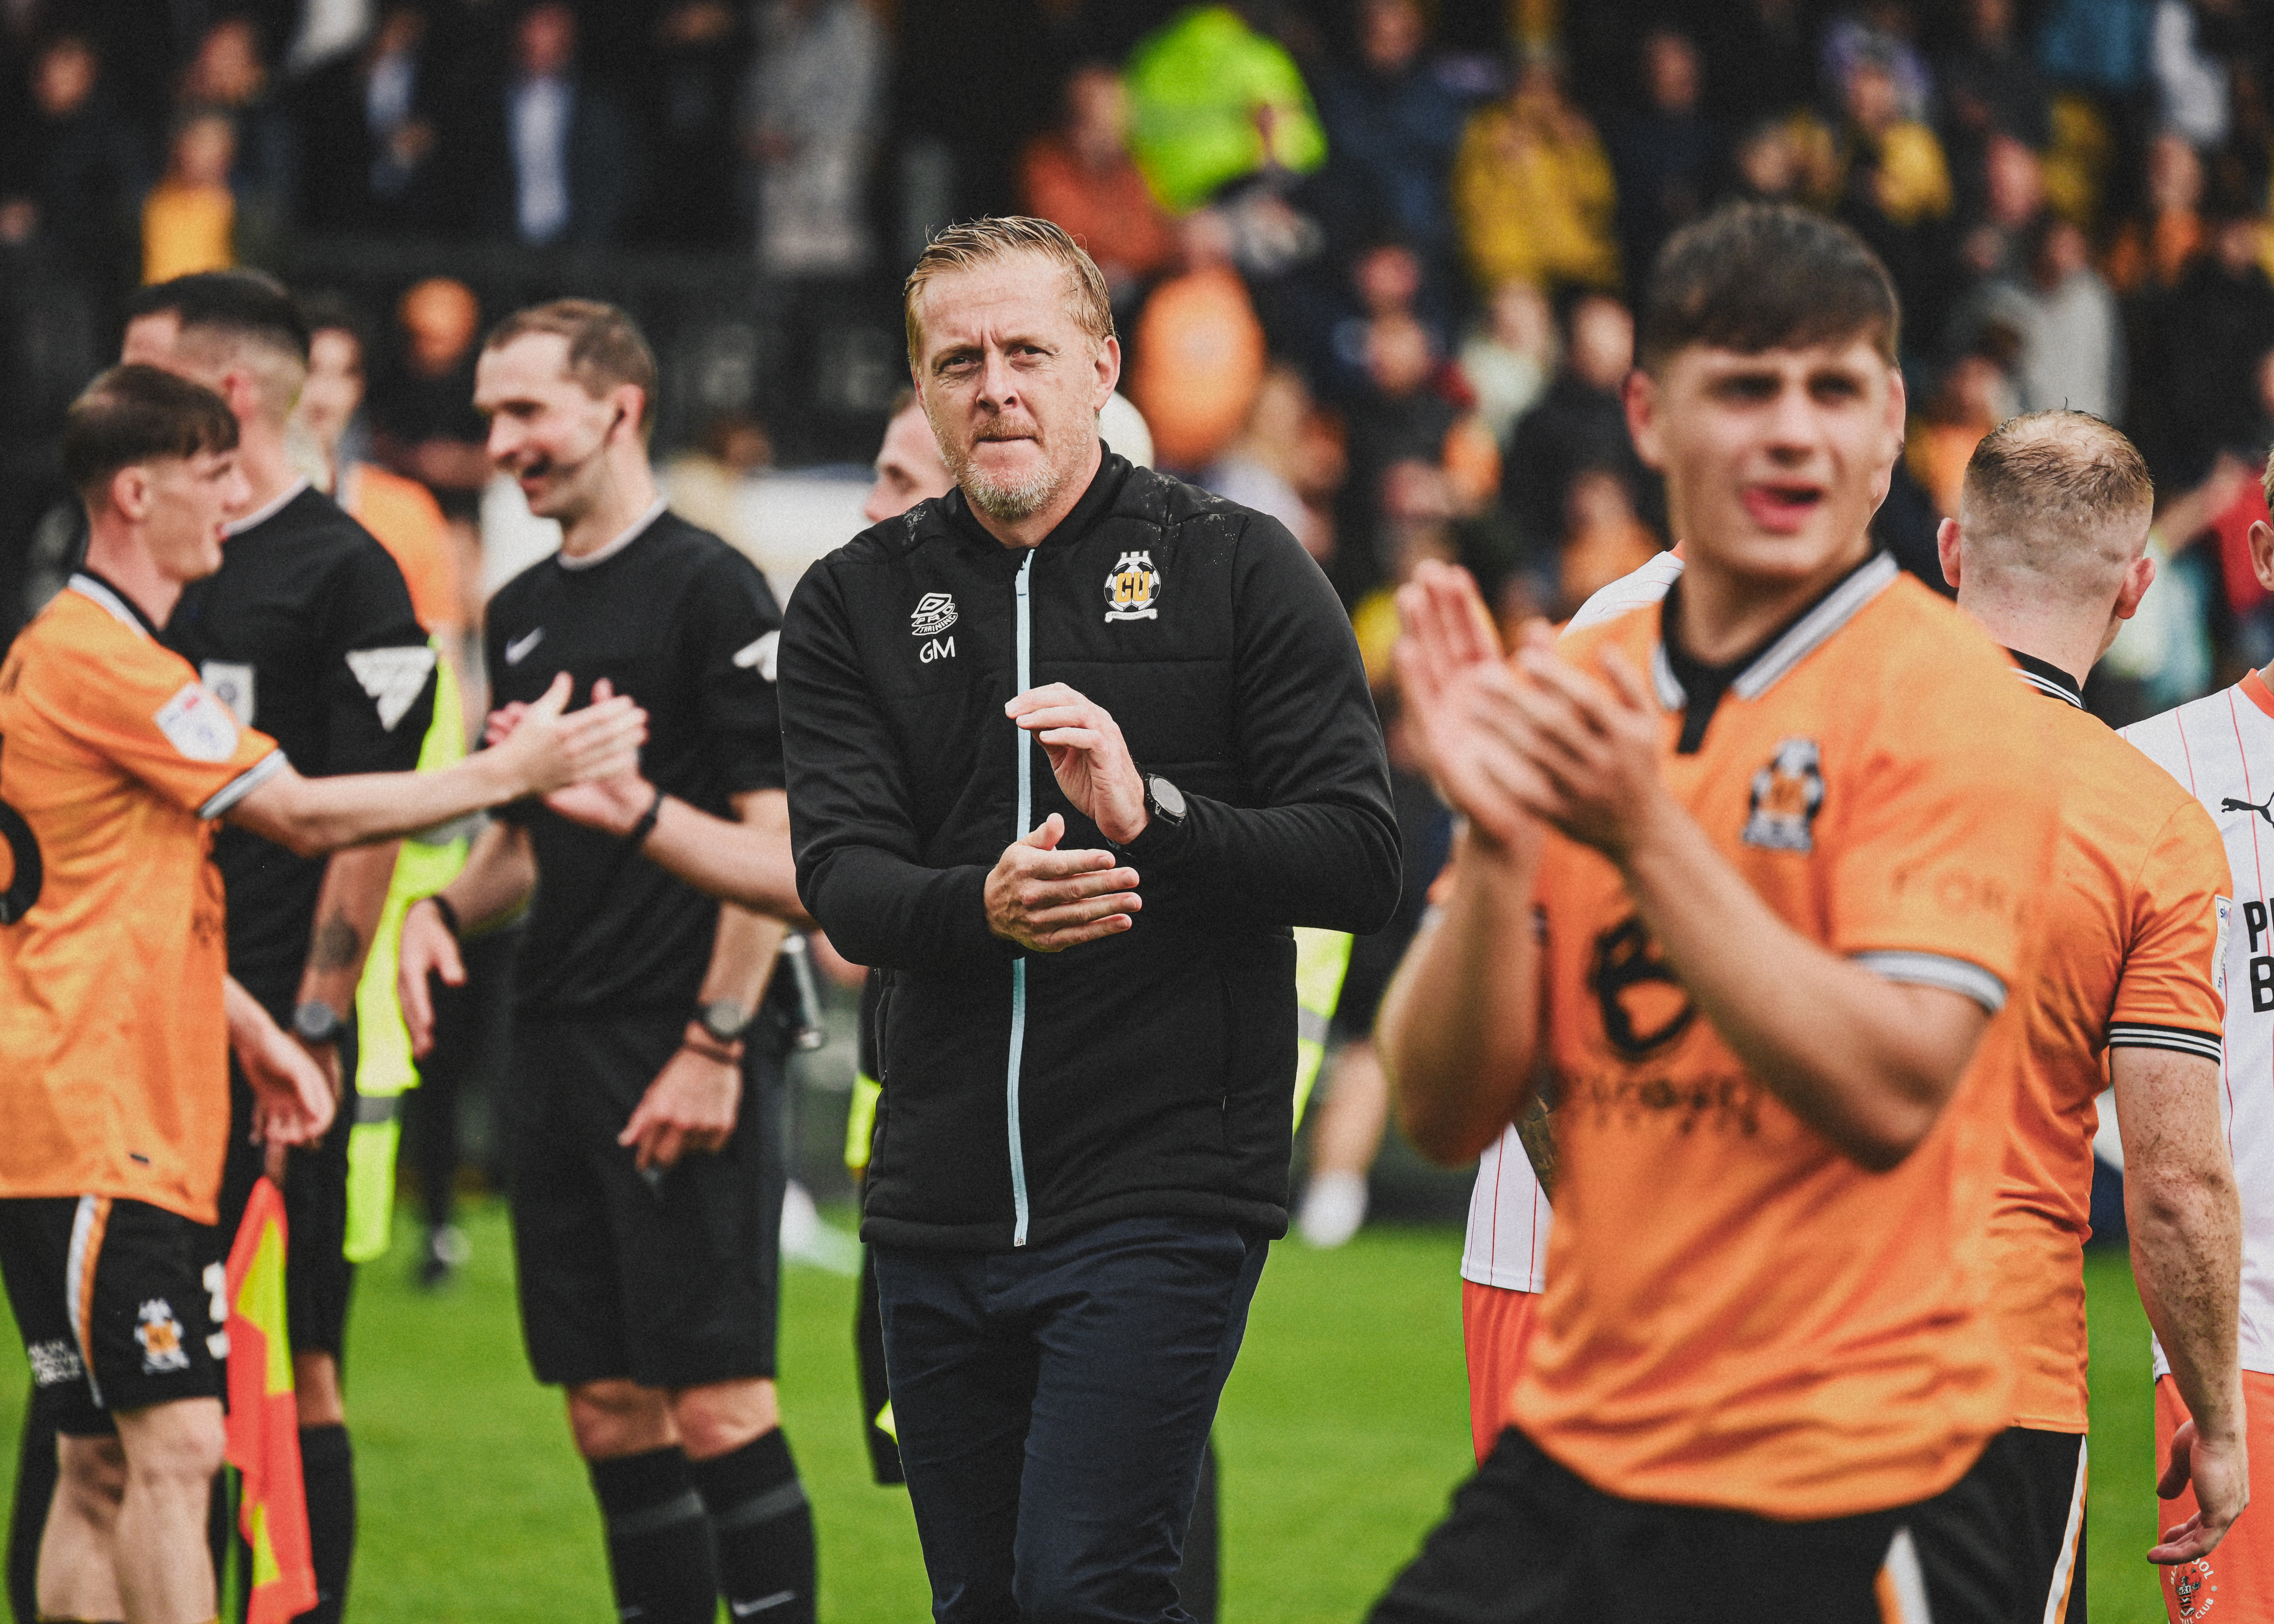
(2042, 489)
(984, 242)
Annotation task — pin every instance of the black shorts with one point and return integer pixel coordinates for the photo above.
(2020, 1513)
(118, 1306)
(318, 1277)
(671, 1280)
(1529, 1542)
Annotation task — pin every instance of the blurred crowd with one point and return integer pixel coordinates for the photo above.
(1373, 261)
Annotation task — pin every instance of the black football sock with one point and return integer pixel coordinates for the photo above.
(35, 1487)
(658, 1540)
(327, 1468)
(764, 1530)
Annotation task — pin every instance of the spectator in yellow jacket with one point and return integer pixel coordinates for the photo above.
(1532, 190)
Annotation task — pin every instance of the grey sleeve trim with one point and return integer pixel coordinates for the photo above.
(2139, 1034)
(243, 784)
(1934, 970)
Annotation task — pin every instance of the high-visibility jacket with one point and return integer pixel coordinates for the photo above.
(385, 1071)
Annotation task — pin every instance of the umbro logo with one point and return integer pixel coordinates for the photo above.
(2264, 808)
(517, 650)
(935, 612)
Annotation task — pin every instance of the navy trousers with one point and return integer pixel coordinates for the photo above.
(1052, 1405)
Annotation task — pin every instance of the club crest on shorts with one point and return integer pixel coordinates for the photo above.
(161, 1336)
(2193, 1591)
(1132, 591)
(1787, 794)
(935, 612)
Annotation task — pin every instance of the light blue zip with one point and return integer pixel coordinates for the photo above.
(1019, 968)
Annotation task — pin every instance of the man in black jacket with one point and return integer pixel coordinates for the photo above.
(1082, 1152)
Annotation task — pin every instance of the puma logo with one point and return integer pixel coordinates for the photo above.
(2264, 808)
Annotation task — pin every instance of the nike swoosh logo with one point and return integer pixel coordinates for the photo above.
(518, 649)
(743, 1609)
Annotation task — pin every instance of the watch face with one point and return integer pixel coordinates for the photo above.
(724, 1019)
(1170, 799)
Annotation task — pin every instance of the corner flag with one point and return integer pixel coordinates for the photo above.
(264, 1425)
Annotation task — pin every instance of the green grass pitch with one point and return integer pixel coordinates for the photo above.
(1344, 1427)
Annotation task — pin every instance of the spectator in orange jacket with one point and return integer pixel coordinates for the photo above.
(1082, 177)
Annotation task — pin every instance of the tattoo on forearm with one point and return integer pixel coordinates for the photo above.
(337, 943)
(1536, 1129)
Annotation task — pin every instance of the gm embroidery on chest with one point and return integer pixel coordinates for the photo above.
(1787, 794)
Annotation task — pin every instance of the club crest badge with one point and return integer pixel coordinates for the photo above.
(2193, 1590)
(1132, 592)
(935, 612)
(161, 1336)
(1787, 796)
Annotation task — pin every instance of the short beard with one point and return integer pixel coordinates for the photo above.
(1008, 504)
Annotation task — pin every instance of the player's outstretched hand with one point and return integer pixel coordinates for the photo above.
(614, 804)
(293, 1102)
(427, 949)
(2219, 1470)
(1087, 757)
(690, 1107)
(1453, 681)
(1047, 900)
(547, 747)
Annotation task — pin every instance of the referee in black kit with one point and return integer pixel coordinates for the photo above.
(307, 633)
(1070, 750)
(647, 1115)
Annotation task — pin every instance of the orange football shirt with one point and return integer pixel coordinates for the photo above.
(114, 1058)
(1737, 1314)
(407, 521)
(2133, 936)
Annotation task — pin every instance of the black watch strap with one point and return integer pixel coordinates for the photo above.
(646, 827)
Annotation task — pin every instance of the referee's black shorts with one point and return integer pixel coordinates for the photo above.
(1529, 1542)
(670, 1279)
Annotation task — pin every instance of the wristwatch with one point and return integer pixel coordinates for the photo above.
(724, 1019)
(315, 1021)
(1164, 801)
